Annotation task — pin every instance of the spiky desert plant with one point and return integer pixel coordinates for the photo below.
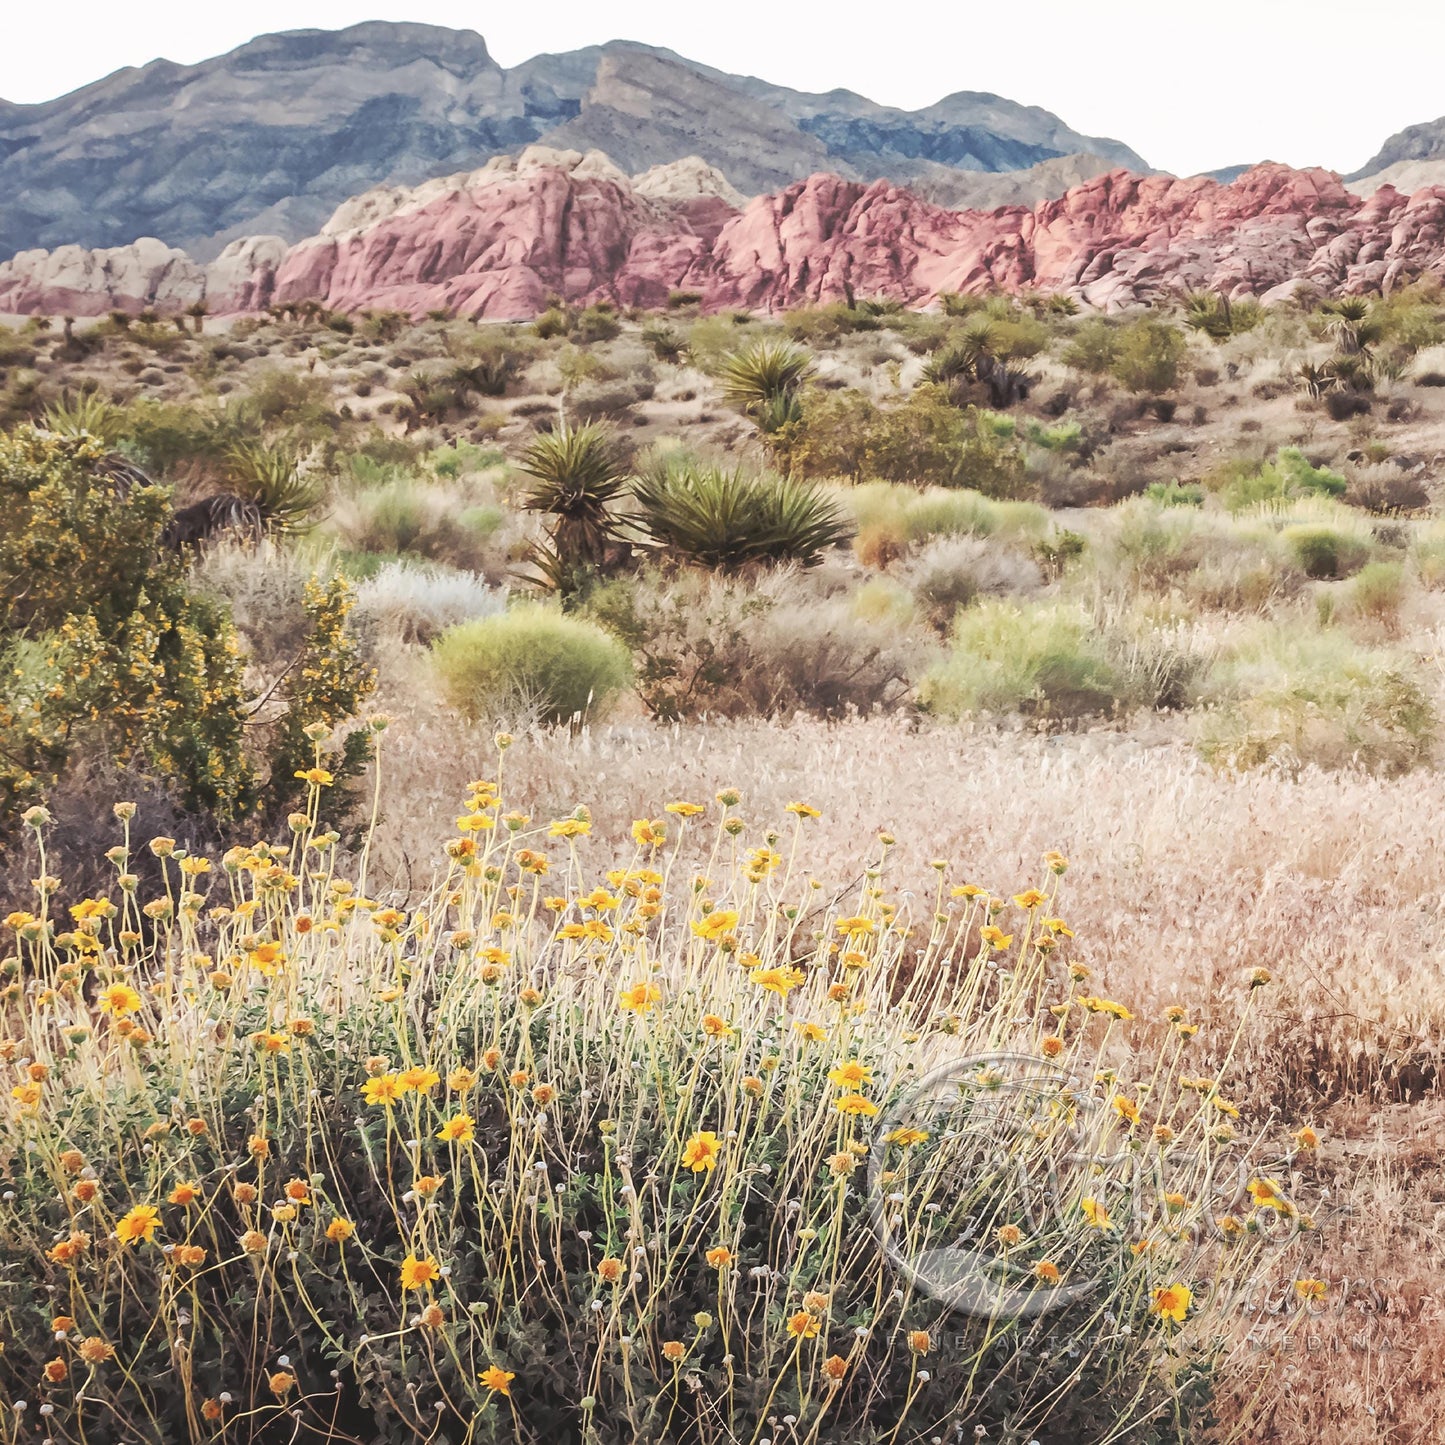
(86, 413)
(762, 381)
(728, 519)
(578, 475)
(274, 477)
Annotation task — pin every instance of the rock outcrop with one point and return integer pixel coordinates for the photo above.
(501, 241)
(273, 136)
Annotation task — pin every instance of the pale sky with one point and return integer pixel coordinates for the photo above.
(1190, 86)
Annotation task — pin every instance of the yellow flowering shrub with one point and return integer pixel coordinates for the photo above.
(586, 1148)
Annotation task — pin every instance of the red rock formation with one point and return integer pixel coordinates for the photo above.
(499, 242)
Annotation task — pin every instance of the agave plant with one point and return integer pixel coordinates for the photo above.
(272, 476)
(762, 380)
(729, 519)
(577, 478)
(85, 414)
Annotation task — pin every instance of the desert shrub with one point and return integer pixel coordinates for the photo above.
(1323, 551)
(923, 439)
(407, 516)
(1093, 347)
(733, 518)
(954, 571)
(552, 323)
(357, 1151)
(765, 645)
(665, 342)
(417, 602)
(533, 658)
(103, 644)
(596, 323)
(1173, 494)
(1387, 491)
(1293, 698)
(598, 400)
(1288, 475)
(1147, 354)
(1377, 594)
(263, 585)
(1045, 661)
(1428, 551)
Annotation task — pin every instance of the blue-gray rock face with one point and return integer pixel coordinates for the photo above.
(273, 136)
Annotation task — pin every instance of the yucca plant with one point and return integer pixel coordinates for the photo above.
(84, 414)
(578, 475)
(729, 519)
(762, 381)
(272, 476)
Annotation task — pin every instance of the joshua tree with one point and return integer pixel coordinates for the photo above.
(198, 311)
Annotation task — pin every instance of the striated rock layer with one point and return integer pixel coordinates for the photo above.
(501, 241)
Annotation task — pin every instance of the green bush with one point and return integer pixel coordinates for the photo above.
(531, 658)
(1147, 355)
(1297, 698)
(924, 439)
(1289, 475)
(1321, 551)
(1094, 347)
(1045, 661)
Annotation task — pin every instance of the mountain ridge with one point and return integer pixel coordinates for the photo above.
(275, 133)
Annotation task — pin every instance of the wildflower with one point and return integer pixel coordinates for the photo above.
(259, 1145)
(85, 1191)
(543, 1095)
(118, 999)
(1306, 1138)
(67, 1251)
(715, 1027)
(283, 1213)
(271, 1042)
(27, 1094)
(780, 981)
(842, 1164)
(609, 1270)
(1259, 977)
(835, 1369)
(1224, 1106)
(803, 1326)
(649, 833)
(459, 1129)
(432, 1317)
(856, 1104)
(253, 1242)
(1029, 898)
(674, 1350)
(802, 810)
(138, 1224)
(1055, 862)
(316, 777)
(715, 926)
(995, 937)
(190, 1255)
(684, 810)
(423, 1080)
(1047, 1272)
(1268, 1195)
(519, 1079)
(244, 1193)
(1311, 1289)
(907, 1137)
(719, 1256)
(460, 1081)
(851, 1074)
(385, 1090)
(1175, 1202)
(639, 998)
(1094, 1212)
(340, 1230)
(184, 1194)
(72, 1161)
(1126, 1109)
(56, 1370)
(701, 1152)
(570, 828)
(211, 1409)
(1010, 1236)
(298, 1191)
(1051, 1046)
(1163, 1134)
(497, 1380)
(1229, 1226)
(96, 1351)
(967, 890)
(419, 1273)
(919, 1342)
(282, 1382)
(530, 861)
(1172, 1302)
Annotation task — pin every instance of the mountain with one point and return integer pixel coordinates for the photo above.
(499, 242)
(1424, 142)
(274, 135)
